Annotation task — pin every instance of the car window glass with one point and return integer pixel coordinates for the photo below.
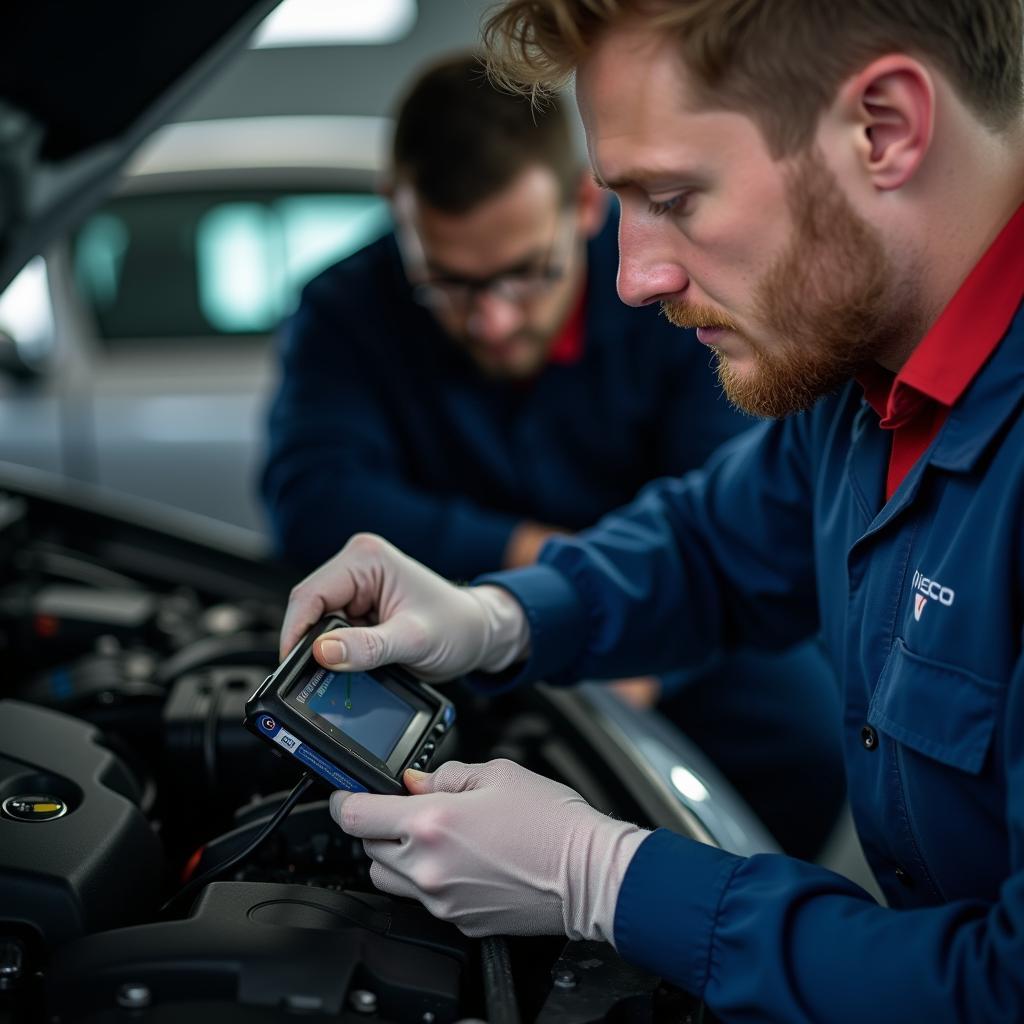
(158, 267)
(239, 268)
(26, 313)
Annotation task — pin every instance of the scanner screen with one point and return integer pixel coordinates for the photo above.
(359, 706)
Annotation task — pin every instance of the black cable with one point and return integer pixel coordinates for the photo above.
(499, 984)
(210, 730)
(218, 869)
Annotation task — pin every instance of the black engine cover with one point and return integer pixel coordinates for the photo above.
(262, 945)
(95, 866)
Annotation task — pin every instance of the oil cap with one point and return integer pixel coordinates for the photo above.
(33, 808)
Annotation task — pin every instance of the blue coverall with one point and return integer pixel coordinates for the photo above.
(786, 532)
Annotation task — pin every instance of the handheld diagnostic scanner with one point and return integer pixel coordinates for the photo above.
(356, 730)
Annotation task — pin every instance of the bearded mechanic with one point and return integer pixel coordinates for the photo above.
(832, 192)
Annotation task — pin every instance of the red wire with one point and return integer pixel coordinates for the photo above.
(191, 864)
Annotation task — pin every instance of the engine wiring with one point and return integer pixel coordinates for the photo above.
(217, 870)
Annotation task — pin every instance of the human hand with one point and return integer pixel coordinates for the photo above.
(639, 692)
(420, 620)
(496, 849)
(525, 542)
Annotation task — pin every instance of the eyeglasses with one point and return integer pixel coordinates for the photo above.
(518, 287)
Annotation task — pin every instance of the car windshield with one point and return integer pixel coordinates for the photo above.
(198, 264)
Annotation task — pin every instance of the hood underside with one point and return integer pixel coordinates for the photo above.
(81, 86)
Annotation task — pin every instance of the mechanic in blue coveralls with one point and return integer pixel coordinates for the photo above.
(833, 191)
(460, 386)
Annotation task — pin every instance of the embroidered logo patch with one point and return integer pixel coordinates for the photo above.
(925, 589)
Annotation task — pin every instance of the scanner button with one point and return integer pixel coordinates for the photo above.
(439, 729)
(428, 749)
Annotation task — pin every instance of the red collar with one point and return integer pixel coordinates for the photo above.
(568, 346)
(966, 333)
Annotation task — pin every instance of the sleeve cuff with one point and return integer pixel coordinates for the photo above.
(668, 907)
(558, 627)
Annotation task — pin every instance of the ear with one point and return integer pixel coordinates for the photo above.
(890, 108)
(591, 205)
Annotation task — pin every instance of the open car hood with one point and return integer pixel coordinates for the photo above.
(81, 86)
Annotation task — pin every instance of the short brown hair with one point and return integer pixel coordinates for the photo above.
(460, 140)
(780, 61)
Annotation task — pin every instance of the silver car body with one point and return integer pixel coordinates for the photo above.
(173, 419)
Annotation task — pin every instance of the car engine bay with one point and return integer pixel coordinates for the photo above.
(125, 771)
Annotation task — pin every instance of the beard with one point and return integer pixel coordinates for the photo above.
(519, 358)
(833, 291)
(524, 354)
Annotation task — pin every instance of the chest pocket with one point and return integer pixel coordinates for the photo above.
(937, 709)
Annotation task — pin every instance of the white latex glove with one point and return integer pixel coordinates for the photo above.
(495, 849)
(422, 621)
